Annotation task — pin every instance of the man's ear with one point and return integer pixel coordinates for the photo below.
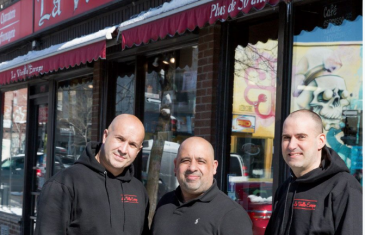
(105, 134)
(215, 165)
(321, 140)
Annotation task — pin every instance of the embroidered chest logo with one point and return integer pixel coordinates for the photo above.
(197, 221)
(304, 204)
(127, 198)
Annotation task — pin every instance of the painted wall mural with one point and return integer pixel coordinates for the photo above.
(327, 79)
(254, 91)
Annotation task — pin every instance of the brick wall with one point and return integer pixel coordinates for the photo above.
(9, 224)
(99, 67)
(208, 60)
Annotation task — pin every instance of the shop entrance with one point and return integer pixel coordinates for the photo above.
(37, 169)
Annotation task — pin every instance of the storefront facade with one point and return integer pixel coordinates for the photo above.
(228, 71)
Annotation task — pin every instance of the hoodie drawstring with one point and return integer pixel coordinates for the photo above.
(106, 189)
(123, 206)
(286, 198)
(291, 211)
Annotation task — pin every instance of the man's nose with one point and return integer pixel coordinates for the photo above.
(193, 165)
(123, 147)
(292, 143)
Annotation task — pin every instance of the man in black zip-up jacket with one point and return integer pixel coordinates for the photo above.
(197, 206)
(98, 195)
(320, 197)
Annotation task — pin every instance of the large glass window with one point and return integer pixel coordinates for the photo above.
(13, 151)
(253, 124)
(327, 75)
(73, 120)
(169, 111)
(125, 89)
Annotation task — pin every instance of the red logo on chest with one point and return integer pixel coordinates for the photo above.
(129, 198)
(304, 204)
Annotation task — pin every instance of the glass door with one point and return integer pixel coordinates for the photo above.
(36, 169)
(39, 163)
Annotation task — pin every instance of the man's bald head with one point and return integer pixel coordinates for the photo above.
(195, 167)
(121, 143)
(195, 140)
(305, 113)
(129, 120)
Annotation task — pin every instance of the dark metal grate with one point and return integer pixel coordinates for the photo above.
(5, 3)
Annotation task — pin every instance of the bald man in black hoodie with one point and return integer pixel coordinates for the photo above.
(99, 194)
(320, 197)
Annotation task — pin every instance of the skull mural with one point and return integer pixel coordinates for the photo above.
(327, 96)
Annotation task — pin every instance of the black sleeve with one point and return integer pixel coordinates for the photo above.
(236, 222)
(347, 212)
(54, 209)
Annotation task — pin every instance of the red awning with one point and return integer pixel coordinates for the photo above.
(75, 52)
(188, 17)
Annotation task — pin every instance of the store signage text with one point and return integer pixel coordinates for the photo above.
(25, 71)
(15, 22)
(48, 13)
(220, 10)
(7, 16)
(8, 22)
(330, 11)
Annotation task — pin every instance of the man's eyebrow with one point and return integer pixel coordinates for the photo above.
(200, 158)
(301, 134)
(184, 157)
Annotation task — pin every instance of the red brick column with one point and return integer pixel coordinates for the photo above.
(9, 223)
(208, 59)
(99, 67)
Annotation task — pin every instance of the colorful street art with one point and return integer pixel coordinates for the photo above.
(254, 91)
(327, 79)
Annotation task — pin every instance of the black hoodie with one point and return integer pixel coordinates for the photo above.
(327, 200)
(86, 199)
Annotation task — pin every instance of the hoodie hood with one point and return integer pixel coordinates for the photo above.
(88, 159)
(331, 164)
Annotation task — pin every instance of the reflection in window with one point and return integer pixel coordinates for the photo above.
(13, 148)
(169, 111)
(73, 120)
(253, 122)
(125, 88)
(327, 79)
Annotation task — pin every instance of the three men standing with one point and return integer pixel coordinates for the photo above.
(99, 195)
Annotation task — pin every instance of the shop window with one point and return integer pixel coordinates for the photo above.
(327, 76)
(169, 111)
(73, 120)
(253, 120)
(125, 89)
(13, 151)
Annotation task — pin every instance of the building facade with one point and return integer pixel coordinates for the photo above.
(229, 71)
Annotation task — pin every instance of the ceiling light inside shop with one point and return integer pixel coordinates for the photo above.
(91, 86)
(165, 60)
(155, 62)
(172, 60)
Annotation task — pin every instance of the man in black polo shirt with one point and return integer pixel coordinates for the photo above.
(197, 206)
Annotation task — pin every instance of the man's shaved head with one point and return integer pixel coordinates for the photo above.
(310, 114)
(195, 167)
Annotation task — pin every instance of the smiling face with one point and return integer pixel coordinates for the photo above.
(195, 167)
(302, 143)
(121, 143)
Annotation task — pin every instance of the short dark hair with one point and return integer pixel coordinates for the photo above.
(315, 117)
